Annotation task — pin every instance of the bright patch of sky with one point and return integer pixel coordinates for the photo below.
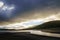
(30, 23)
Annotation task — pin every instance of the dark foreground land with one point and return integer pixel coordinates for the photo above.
(24, 36)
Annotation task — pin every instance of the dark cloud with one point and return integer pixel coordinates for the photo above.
(22, 6)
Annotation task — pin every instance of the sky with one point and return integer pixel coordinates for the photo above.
(32, 8)
(25, 10)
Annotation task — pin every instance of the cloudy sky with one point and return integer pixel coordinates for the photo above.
(23, 10)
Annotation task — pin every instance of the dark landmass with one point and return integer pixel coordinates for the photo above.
(52, 26)
(24, 36)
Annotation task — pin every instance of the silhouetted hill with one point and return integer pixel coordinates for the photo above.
(49, 25)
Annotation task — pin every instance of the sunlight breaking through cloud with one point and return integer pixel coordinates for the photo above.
(1, 4)
(30, 23)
